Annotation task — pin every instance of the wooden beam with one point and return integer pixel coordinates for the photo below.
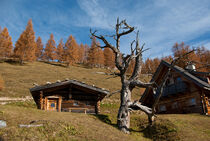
(59, 103)
(70, 91)
(41, 100)
(45, 103)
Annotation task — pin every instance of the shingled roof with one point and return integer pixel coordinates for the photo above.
(66, 83)
(188, 76)
(185, 73)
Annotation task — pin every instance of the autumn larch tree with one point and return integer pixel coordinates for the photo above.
(95, 56)
(181, 49)
(5, 44)
(50, 49)
(86, 48)
(109, 58)
(25, 46)
(100, 57)
(71, 51)
(60, 50)
(204, 55)
(39, 48)
(81, 54)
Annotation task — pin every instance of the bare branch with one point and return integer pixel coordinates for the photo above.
(136, 105)
(141, 84)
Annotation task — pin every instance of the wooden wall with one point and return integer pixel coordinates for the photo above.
(72, 100)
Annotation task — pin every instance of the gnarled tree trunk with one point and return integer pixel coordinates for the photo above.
(123, 118)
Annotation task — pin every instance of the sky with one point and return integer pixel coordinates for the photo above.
(161, 23)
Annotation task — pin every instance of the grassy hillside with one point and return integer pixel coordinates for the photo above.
(18, 79)
(74, 126)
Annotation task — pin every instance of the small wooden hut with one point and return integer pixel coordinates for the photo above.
(186, 91)
(68, 96)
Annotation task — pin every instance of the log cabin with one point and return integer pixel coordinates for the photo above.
(186, 91)
(68, 96)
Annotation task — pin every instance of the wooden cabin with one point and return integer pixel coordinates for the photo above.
(186, 91)
(68, 96)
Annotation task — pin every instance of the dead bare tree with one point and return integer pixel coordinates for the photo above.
(128, 83)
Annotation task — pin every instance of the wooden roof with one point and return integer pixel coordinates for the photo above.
(162, 69)
(58, 85)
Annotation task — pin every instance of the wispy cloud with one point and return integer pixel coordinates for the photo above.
(161, 22)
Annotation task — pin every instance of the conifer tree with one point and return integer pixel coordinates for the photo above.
(81, 53)
(60, 51)
(25, 46)
(92, 53)
(109, 58)
(50, 49)
(39, 48)
(100, 57)
(179, 50)
(5, 43)
(86, 48)
(71, 51)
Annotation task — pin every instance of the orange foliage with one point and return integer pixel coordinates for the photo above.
(81, 53)
(50, 49)
(5, 43)
(60, 51)
(109, 58)
(71, 51)
(25, 46)
(150, 65)
(39, 48)
(131, 66)
(95, 54)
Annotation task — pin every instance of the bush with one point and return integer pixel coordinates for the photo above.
(162, 130)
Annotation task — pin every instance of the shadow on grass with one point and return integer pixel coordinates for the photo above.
(1, 139)
(55, 64)
(160, 130)
(12, 61)
(105, 119)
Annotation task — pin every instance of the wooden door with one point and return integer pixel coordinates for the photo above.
(52, 104)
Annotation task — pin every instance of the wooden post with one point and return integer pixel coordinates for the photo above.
(59, 103)
(97, 107)
(41, 100)
(70, 90)
(203, 102)
(45, 104)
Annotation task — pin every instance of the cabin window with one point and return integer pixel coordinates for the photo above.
(175, 105)
(162, 108)
(192, 102)
(178, 79)
(52, 105)
(76, 104)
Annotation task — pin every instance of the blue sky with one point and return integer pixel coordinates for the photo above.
(161, 22)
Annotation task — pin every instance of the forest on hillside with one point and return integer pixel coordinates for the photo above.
(29, 48)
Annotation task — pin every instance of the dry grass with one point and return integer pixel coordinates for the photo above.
(70, 126)
(18, 79)
(56, 126)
